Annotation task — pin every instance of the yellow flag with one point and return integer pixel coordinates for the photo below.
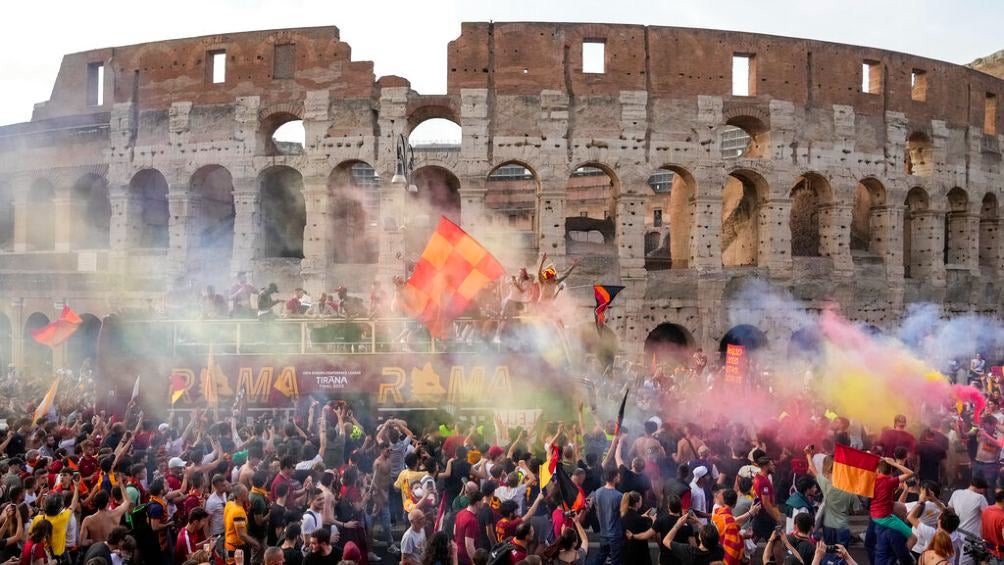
(210, 392)
(46, 404)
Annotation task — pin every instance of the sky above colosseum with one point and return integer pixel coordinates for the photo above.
(409, 38)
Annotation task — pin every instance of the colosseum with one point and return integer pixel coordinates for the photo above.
(680, 163)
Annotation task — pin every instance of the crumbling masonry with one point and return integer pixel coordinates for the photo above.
(839, 172)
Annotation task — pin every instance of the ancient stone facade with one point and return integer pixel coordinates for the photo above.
(861, 175)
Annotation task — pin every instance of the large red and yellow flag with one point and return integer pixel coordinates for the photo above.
(854, 471)
(451, 271)
(45, 405)
(58, 331)
(178, 387)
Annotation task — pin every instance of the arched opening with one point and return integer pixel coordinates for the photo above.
(149, 189)
(957, 236)
(438, 195)
(283, 134)
(919, 158)
(744, 136)
(41, 229)
(354, 211)
(989, 244)
(806, 343)
(866, 229)
(436, 134)
(917, 204)
(746, 335)
(83, 344)
(283, 213)
(511, 203)
(6, 342)
(669, 343)
(6, 217)
(670, 212)
(212, 194)
(590, 212)
(37, 357)
(742, 198)
(808, 197)
(92, 211)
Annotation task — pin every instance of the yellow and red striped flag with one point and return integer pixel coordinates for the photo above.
(854, 471)
(453, 268)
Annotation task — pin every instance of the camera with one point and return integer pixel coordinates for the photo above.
(831, 549)
(974, 546)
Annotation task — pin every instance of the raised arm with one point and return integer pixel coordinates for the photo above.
(619, 458)
(610, 451)
(905, 472)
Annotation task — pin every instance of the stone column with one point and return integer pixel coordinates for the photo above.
(551, 221)
(835, 234)
(706, 233)
(317, 234)
(68, 230)
(927, 247)
(963, 240)
(246, 212)
(774, 235)
(22, 216)
(182, 230)
(886, 226)
(991, 256)
(17, 332)
(391, 229)
(473, 217)
(630, 229)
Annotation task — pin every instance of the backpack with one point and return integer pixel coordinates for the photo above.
(138, 522)
(500, 553)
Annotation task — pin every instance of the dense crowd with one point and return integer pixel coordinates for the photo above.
(334, 484)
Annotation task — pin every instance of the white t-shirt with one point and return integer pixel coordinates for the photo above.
(309, 464)
(969, 506)
(925, 533)
(413, 543)
(214, 507)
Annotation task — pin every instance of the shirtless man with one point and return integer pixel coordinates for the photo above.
(97, 526)
(550, 282)
(249, 467)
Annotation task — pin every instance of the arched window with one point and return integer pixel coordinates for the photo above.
(866, 230)
(92, 211)
(511, 204)
(742, 199)
(37, 357)
(149, 188)
(590, 211)
(212, 193)
(283, 213)
(354, 212)
(669, 343)
(669, 211)
(744, 136)
(437, 194)
(282, 133)
(919, 158)
(436, 134)
(808, 196)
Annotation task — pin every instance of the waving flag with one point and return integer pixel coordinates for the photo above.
(43, 407)
(450, 272)
(548, 469)
(178, 386)
(58, 331)
(854, 471)
(572, 497)
(604, 294)
(620, 414)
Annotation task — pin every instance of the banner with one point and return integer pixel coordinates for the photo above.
(525, 419)
(385, 380)
(735, 364)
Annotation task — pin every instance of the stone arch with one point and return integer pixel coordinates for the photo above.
(283, 215)
(745, 135)
(669, 342)
(437, 194)
(423, 111)
(6, 342)
(354, 212)
(919, 156)
(742, 200)
(37, 357)
(270, 120)
(809, 196)
(591, 210)
(670, 211)
(868, 234)
(747, 335)
(917, 203)
(435, 134)
(511, 201)
(92, 211)
(148, 190)
(957, 234)
(989, 233)
(83, 344)
(41, 229)
(213, 214)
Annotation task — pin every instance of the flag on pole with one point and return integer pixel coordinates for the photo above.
(58, 331)
(572, 497)
(548, 469)
(178, 386)
(854, 471)
(135, 389)
(209, 390)
(46, 404)
(620, 414)
(451, 271)
(604, 294)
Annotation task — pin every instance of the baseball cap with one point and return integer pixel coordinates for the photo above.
(175, 462)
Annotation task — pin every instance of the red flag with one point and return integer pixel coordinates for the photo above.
(604, 294)
(58, 331)
(178, 386)
(854, 471)
(451, 271)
